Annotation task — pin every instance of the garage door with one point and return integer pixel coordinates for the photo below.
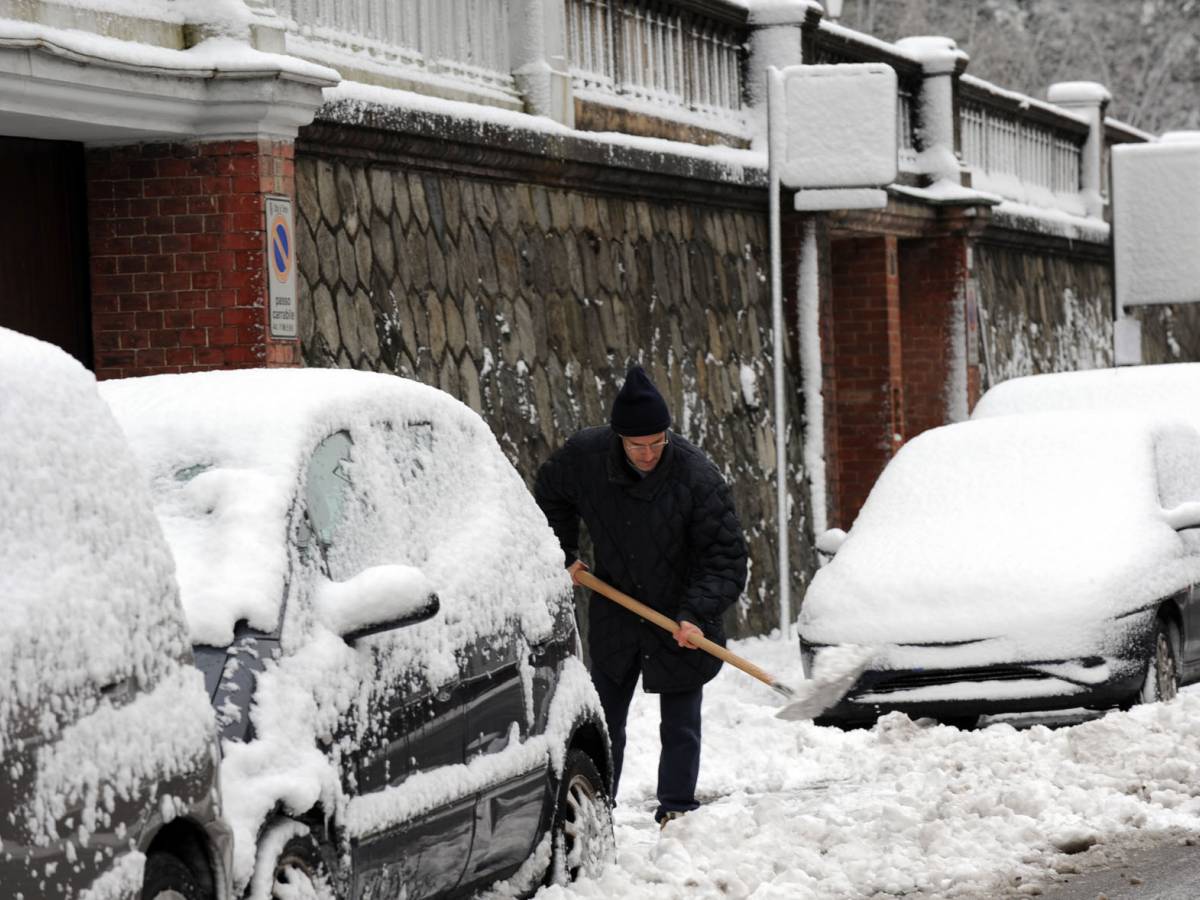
(43, 244)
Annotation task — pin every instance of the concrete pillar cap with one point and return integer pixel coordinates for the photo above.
(783, 12)
(938, 55)
(1078, 93)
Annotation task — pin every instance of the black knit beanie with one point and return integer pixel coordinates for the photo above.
(639, 409)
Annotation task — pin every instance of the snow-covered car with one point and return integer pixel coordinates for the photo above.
(1031, 562)
(108, 761)
(387, 630)
(1171, 390)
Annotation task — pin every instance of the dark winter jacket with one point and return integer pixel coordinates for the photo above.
(670, 539)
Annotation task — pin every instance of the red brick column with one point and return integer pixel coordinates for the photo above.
(865, 351)
(177, 236)
(932, 296)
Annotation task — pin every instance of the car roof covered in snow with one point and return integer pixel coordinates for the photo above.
(227, 453)
(1172, 389)
(1002, 527)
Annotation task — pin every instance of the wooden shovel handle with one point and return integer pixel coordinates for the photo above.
(587, 579)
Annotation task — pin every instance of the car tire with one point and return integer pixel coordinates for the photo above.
(167, 877)
(581, 832)
(300, 872)
(1162, 665)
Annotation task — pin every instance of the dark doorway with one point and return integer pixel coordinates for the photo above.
(43, 244)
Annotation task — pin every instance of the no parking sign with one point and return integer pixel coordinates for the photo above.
(281, 267)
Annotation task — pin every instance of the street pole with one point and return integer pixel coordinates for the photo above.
(774, 107)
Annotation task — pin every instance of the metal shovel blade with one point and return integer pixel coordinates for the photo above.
(835, 671)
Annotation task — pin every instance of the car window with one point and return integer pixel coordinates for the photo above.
(326, 490)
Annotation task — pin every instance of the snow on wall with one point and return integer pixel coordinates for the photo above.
(1041, 313)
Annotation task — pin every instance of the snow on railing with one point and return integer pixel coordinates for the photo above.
(1023, 149)
(463, 42)
(1002, 144)
(642, 50)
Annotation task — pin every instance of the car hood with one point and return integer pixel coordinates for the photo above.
(1036, 530)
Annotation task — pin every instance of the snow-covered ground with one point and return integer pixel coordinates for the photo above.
(905, 809)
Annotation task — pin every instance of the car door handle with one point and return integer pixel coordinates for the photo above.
(118, 689)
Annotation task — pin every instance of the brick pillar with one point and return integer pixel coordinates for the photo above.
(178, 239)
(933, 332)
(865, 350)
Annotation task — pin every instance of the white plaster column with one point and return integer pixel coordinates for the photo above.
(538, 46)
(776, 33)
(941, 61)
(1091, 100)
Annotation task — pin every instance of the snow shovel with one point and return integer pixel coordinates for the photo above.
(828, 685)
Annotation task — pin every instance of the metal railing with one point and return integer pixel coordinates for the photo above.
(1035, 153)
(645, 50)
(461, 40)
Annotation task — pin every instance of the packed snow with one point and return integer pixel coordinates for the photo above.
(799, 812)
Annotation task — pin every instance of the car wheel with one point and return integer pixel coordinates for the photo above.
(290, 865)
(582, 829)
(1162, 670)
(167, 877)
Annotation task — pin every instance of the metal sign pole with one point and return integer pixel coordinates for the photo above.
(775, 107)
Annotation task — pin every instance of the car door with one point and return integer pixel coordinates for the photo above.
(404, 727)
(498, 699)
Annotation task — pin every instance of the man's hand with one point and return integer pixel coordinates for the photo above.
(575, 568)
(685, 632)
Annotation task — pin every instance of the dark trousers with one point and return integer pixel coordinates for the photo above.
(678, 730)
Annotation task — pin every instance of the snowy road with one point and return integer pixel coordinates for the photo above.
(906, 809)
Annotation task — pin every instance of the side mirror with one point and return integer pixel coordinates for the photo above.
(381, 598)
(829, 542)
(1185, 515)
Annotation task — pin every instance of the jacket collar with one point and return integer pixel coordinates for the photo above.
(620, 472)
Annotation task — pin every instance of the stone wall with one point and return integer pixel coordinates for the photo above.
(1042, 311)
(525, 287)
(1053, 312)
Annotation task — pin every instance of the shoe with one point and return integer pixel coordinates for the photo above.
(667, 817)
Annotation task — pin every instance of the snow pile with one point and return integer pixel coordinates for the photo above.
(908, 808)
(1030, 529)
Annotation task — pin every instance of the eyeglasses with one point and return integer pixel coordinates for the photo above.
(635, 448)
